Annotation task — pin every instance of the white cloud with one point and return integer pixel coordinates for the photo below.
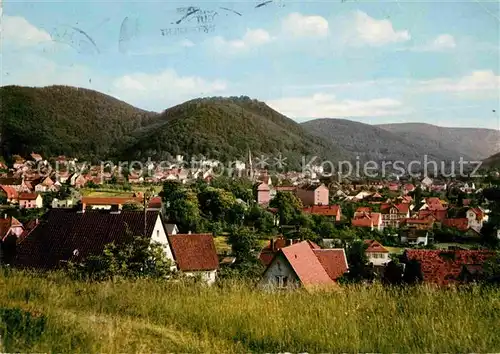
(322, 105)
(478, 81)
(186, 43)
(18, 31)
(370, 31)
(165, 87)
(149, 91)
(299, 25)
(252, 38)
(442, 42)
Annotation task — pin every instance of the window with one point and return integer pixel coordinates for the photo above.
(158, 234)
(281, 281)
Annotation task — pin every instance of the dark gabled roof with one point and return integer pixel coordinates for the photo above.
(64, 231)
(10, 181)
(194, 252)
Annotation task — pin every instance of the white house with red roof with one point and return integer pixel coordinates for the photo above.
(370, 220)
(30, 201)
(476, 218)
(305, 265)
(394, 214)
(377, 254)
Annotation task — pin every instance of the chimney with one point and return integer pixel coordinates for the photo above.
(289, 242)
(189, 232)
(5, 216)
(272, 244)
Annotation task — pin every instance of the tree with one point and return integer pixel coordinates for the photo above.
(136, 259)
(289, 207)
(216, 203)
(359, 269)
(260, 219)
(244, 244)
(183, 210)
(413, 273)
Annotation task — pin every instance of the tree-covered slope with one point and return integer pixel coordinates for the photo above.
(225, 128)
(65, 120)
(372, 143)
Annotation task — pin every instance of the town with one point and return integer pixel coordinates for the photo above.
(284, 230)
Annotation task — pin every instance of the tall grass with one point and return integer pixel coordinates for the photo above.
(147, 315)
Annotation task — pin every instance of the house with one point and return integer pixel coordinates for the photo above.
(370, 220)
(195, 255)
(332, 211)
(313, 195)
(461, 224)
(414, 236)
(393, 214)
(377, 254)
(36, 157)
(155, 203)
(19, 163)
(438, 215)
(77, 180)
(419, 224)
(12, 182)
(64, 203)
(301, 266)
(263, 194)
(446, 267)
(11, 231)
(426, 183)
(267, 253)
(476, 218)
(10, 226)
(408, 188)
(67, 235)
(108, 202)
(9, 193)
(30, 201)
(47, 185)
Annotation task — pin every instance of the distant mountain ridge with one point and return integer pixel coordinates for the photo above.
(372, 143)
(477, 143)
(64, 120)
(492, 161)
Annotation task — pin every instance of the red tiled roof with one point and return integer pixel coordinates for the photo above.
(402, 208)
(306, 265)
(326, 210)
(459, 224)
(363, 210)
(362, 222)
(333, 260)
(10, 191)
(6, 224)
(194, 252)
(375, 246)
(267, 254)
(439, 215)
(443, 267)
(367, 219)
(64, 231)
(479, 213)
(155, 203)
(27, 196)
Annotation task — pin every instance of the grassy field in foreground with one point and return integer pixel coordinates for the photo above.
(155, 316)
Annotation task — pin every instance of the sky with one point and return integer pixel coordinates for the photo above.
(372, 61)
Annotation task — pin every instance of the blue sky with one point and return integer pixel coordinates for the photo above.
(375, 62)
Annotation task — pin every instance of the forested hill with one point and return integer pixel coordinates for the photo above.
(65, 120)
